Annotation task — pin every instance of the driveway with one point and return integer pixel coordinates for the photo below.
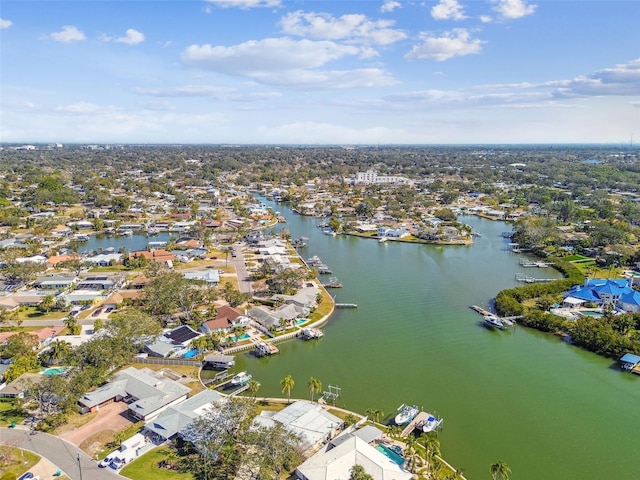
(59, 453)
(110, 417)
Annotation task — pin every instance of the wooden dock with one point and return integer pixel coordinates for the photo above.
(346, 305)
(521, 277)
(480, 310)
(413, 424)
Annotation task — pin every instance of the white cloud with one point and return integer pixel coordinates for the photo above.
(455, 43)
(486, 19)
(69, 33)
(512, 9)
(246, 4)
(132, 37)
(270, 54)
(327, 79)
(448, 10)
(218, 93)
(5, 23)
(390, 6)
(623, 80)
(355, 27)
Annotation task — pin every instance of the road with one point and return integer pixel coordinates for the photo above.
(59, 452)
(244, 284)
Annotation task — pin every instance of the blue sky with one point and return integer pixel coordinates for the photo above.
(320, 72)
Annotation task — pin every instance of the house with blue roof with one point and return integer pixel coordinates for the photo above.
(602, 291)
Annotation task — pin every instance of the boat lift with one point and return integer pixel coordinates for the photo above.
(332, 394)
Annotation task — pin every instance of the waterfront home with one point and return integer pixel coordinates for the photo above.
(172, 342)
(306, 297)
(54, 260)
(336, 459)
(392, 232)
(601, 291)
(226, 318)
(218, 361)
(278, 318)
(312, 423)
(172, 422)
(147, 393)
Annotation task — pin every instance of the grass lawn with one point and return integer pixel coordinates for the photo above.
(146, 467)
(32, 313)
(9, 413)
(16, 463)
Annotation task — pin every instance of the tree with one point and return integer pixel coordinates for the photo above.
(315, 386)
(359, 473)
(500, 470)
(57, 351)
(287, 384)
(374, 414)
(431, 448)
(72, 325)
(47, 303)
(253, 387)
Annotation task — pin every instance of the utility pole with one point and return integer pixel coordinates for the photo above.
(79, 465)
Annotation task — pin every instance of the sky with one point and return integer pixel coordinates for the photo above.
(365, 72)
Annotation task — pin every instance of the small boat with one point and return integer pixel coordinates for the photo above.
(493, 321)
(406, 414)
(382, 239)
(126, 233)
(240, 379)
(431, 423)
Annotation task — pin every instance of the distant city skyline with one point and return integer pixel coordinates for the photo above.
(320, 72)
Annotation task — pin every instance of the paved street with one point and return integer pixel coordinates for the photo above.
(60, 453)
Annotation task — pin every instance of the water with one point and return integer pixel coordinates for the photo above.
(390, 454)
(548, 409)
(53, 371)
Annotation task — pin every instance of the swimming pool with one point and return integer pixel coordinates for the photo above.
(244, 336)
(190, 354)
(300, 321)
(591, 313)
(390, 454)
(53, 371)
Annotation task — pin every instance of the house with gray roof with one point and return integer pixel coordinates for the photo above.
(147, 393)
(172, 422)
(174, 342)
(312, 423)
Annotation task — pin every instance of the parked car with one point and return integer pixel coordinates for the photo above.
(107, 460)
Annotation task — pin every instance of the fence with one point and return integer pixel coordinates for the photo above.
(167, 361)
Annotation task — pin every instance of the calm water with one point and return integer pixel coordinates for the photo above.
(551, 411)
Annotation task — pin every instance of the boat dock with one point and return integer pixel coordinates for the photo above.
(480, 310)
(265, 349)
(346, 305)
(527, 263)
(521, 277)
(332, 283)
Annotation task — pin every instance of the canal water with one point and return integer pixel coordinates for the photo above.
(549, 410)
(130, 243)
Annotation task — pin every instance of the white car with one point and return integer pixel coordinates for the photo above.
(107, 460)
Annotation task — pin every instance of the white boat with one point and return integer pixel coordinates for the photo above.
(382, 239)
(431, 423)
(493, 321)
(126, 233)
(264, 349)
(240, 379)
(406, 414)
(311, 333)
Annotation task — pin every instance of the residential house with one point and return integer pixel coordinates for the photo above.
(312, 423)
(147, 393)
(173, 421)
(174, 342)
(55, 282)
(335, 461)
(159, 255)
(209, 275)
(618, 293)
(226, 318)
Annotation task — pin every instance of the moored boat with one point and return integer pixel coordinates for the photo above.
(431, 423)
(406, 413)
(493, 321)
(240, 379)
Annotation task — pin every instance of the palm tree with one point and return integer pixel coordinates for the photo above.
(253, 387)
(374, 413)
(71, 323)
(394, 431)
(314, 386)
(500, 470)
(411, 443)
(47, 303)
(287, 384)
(431, 448)
(57, 351)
